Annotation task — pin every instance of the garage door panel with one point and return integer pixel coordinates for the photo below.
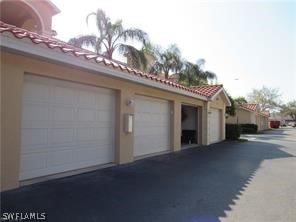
(104, 124)
(154, 146)
(103, 133)
(66, 129)
(36, 92)
(86, 115)
(85, 134)
(61, 136)
(105, 101)
(60, 157)
(62, 95)
(88, 154)
(62, 113)
(33, 137)
(33, 161)
(151, 126)
(87, 99)
(215, 126)
(104, 115)
(35, 116)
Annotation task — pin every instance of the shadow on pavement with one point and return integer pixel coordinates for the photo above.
(195, 185)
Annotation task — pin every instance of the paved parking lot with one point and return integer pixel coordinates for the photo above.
(230, 181)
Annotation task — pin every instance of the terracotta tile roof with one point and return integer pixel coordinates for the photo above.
(207, 90)
(55, 44)
(252, 107)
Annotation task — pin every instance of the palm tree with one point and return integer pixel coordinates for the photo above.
(167, 61)
(140, 59)
(193, 75)
(111, 35)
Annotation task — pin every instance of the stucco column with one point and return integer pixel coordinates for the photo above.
(176, 126)
(11, 92)
(199, 124)
(124, 141)
(205, 123)
(223, 123)
(0, 128)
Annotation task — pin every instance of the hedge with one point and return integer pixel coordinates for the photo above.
(232, 131)
(249, 128)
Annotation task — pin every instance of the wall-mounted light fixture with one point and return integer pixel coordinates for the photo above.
(130, 102)
(128, 122)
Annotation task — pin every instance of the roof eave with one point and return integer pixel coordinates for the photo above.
(23, 46)
(246, 109)
(222, 90)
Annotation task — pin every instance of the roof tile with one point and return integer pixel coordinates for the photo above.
(207, 90)
(249, 107)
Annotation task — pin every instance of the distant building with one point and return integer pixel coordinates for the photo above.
(282, 118)
(35, 16)
(250, 114)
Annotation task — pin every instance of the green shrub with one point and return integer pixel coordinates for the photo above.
(249, 128)
(232, 131)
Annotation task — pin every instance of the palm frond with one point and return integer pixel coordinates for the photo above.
(110, 35)
(210, 75)
(138, 57)
(102, 21)
(200, 63)
(135, 34)
(156, 68)
(116, 29)
(85, 40)
(90, 14)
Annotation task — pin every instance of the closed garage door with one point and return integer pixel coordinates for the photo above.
(215, 126)
(152, 126)
(65, 126)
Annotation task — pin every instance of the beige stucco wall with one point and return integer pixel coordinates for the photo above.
(11, 108)
(205, 123)
(11, 92)
(246, 117)
(176, 125)
(262, 122)
(242, 117)
(0, 127)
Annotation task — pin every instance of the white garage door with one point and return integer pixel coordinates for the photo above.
(215, 126)
(152, 126)
(65, 126)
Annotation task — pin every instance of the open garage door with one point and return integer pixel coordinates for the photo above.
(152, 125)
(65, 126)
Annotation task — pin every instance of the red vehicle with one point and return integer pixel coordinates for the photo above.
(275, 124)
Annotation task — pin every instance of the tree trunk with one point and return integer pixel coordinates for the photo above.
(166, 75)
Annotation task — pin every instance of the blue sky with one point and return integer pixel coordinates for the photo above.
(252, 41)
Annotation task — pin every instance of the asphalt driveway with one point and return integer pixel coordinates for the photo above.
(230, 181)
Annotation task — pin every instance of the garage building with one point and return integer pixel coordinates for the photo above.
(66, 110)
